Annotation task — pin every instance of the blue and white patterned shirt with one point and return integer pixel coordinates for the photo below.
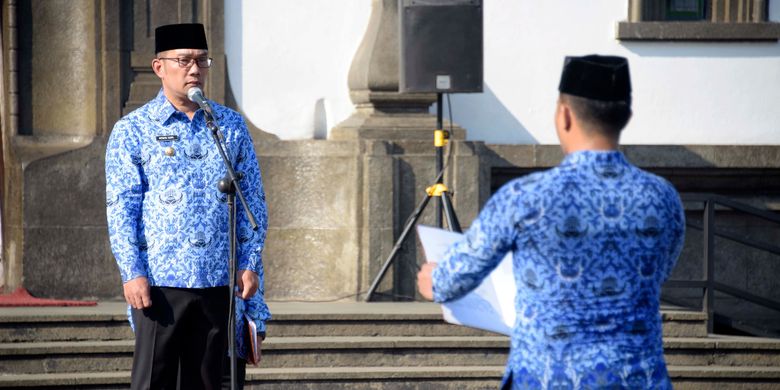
(167, 220)
(593, 239)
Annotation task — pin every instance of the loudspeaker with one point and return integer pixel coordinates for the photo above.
(441, 45)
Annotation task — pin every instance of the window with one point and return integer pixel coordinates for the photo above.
(684, 10)
(698, 20)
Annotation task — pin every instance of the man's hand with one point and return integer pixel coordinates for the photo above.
(424, 281)
(137, 293)
(248, 282)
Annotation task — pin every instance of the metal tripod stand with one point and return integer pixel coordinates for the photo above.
(443, 206)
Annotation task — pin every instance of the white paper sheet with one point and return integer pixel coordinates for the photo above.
(491, 305)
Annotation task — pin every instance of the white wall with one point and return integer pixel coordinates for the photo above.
(288, 61)
(298, 56)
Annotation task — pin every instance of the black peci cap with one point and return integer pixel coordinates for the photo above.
(180, 36)
(596, 77)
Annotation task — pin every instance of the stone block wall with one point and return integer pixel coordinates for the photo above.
(66, 249)
(336, 208)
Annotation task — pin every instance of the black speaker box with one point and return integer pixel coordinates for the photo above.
(441, 45)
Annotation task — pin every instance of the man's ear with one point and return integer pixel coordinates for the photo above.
(157, 67)
(564, 116)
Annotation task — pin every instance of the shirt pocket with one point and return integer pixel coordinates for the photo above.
(164, 163)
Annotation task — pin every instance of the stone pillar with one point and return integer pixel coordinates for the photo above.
(54, 66)
(401, 126)
(59, 83)
(66, 82)
(9, 98)
(381, 112)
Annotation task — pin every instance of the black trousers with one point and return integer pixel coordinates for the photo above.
(240, 373)
(185, 330)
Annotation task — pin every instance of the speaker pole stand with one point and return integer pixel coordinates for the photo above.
(440, 138)
(444, 205)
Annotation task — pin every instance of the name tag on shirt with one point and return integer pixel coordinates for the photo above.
(167, 137)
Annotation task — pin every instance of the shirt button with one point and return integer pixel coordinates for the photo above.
(169, 151)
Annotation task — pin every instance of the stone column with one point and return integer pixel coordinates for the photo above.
(54, 46)
(381, 112)
(400, 125)
(60, 49)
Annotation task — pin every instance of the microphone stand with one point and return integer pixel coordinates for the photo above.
(229, 185)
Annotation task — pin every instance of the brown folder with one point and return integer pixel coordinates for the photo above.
(254, 342)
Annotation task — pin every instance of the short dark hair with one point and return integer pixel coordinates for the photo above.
(607, 118)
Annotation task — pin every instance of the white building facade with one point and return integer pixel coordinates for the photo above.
(288, 64)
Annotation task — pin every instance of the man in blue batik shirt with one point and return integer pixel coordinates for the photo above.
(592, 239)
(167, 221)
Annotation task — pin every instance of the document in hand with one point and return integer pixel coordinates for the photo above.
(491, 306)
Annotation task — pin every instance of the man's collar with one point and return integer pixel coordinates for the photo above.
(613, 156)
(162, 107)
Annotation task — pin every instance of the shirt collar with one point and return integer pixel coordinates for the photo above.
(162, 107)
(595, 157)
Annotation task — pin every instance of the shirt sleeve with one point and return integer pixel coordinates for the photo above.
(254, 308)
(257, 310)
(480, 251)
(675, 232)
(250, 242)
(125, 188)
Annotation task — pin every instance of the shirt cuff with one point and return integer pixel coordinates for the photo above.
(253, 263)
(437, 297)
(132, 273)
(260, 327)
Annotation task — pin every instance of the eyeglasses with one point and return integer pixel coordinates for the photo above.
(187, 62)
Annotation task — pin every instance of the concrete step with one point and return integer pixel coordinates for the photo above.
(343, 351)
(364, 319)
(683, 323)
(408, 351)
(467, 378)
(416, 378)
(422, 319)
(108, 321)
(483, 377)
(66, 356)
(724, 378)
(80, 329)
(453, 377)
(717, 350)
(67, 381)
(62, 357)
(348, 346)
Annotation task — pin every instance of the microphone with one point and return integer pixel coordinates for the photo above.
(196, 96)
